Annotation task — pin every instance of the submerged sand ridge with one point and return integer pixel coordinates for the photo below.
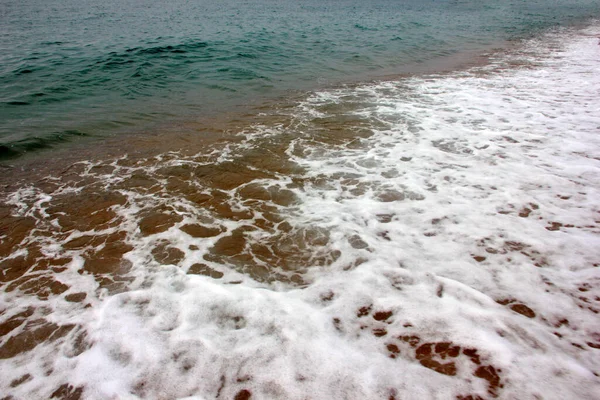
(433, 237)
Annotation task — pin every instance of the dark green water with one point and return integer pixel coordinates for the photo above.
(86, 68)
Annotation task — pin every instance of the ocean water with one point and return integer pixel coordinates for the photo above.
(74, 69)
(426, 235)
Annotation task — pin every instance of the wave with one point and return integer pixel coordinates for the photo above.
(17, 148)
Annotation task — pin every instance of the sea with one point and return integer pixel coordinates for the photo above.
(385, 199)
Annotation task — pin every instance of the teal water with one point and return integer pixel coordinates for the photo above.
(81, 68)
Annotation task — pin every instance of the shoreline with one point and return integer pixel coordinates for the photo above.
(179, 134)
(118, 143)
(185, 125)
(436, 235)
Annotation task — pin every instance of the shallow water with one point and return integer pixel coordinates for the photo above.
(433, 236)
(74, 70)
